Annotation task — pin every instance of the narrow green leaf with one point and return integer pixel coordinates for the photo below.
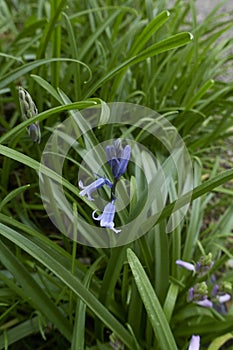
(2, 54)
(170, 300)
(20, 331)
(80, 315)
(74, 53)
(148, 31)
(167, 44)
(154, 310)
(208, 85)
(12, 195)
(51, 25)
(48, 87)
(220, 341)
(18, 72)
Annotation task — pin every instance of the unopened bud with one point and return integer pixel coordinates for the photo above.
(29, 110)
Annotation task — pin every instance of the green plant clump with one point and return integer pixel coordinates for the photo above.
(163, 279)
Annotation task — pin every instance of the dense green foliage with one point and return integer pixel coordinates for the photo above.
(71, 55)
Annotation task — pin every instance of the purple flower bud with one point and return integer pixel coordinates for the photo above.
(186, 265)
(194, 343)
(87, 190)
(191, 294)
(107, 217)
(215, 290)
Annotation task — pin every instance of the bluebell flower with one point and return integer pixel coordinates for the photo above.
(118, 158)
(107, 217)
(87, 190)
(194, 343)
(29, 110)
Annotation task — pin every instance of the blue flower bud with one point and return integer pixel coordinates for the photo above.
(118, 158)
(34, 132)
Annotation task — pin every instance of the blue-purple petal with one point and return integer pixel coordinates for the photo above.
(205, 303)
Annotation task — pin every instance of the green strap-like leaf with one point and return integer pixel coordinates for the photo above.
(154, 310)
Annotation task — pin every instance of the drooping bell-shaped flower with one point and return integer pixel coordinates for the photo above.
(87, 190)
(29, 110)
(118, 158)
(107, 217)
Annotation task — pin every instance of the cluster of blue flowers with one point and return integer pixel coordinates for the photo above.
(118, 158)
